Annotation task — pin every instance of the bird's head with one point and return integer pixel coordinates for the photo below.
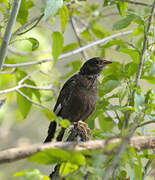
(94, 66)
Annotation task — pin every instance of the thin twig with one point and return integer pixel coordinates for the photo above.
(146, 169)
(25, 86)
(29, 99)
(13, 154)
(121, 149)
(146, 123)
(141, 58)
(135, 2)
(75, 29)
(7, 34)
(38, 88)
(21, 31)
(83, 24)
(29, 75)
(69, 53)
(37, 21)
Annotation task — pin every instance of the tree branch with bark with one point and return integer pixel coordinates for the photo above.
(14, 154)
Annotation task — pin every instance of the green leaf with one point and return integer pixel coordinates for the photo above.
(31, 174)
(131, 68)
(86, 35)
(52, 7)
(113, 72)
(132, 53)
(122, 93)
(21, 173)
(49, 114)
(149, 96)
(122, 7)
(64, 123)
(63, 13)
(115, 42)
(128, 108)
(139, 101)
(70, 47)
(99, 31)
(67, 168)
(152, 69)
(123, 23)
(23, 11)
(138, 31)
(77, 158)
(23, 104)
(150, 79)
(50, 156)
(123, 174)
(108, 3)
(34, 42)
(57, 45)
(109, 85)
(106, 123)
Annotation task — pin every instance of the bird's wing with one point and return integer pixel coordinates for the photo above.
(63, 98)
(65, 94)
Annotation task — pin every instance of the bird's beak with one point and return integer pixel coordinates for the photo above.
(105, 62)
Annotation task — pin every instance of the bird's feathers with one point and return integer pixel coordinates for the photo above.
(78, 96)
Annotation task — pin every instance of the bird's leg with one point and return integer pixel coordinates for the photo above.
(84, 130)
(60, 135)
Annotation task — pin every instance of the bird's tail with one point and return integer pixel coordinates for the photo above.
(51, 132)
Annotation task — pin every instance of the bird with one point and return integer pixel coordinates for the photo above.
(78, 96)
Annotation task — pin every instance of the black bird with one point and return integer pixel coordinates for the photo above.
(78, 96)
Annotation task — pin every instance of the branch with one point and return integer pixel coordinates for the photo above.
(76, 32)
(26, 86)
(69, 53)
(135, 2)
(140, 66)
(120, 151)
(141, 58)
(27, 76)
(148, 164)
(7, 34)
(21, 31)
(146, 123)
(13, 154)
(21, 85)
(29, 99)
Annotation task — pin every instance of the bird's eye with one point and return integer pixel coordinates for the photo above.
(96, 62)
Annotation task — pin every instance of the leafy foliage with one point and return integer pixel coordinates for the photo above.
(34, 42)
(23, 103)
(63, 17)
(24, 11)
(57, 45)
(52, 7)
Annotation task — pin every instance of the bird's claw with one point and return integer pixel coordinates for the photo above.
(84, 129)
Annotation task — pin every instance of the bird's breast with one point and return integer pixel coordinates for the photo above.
(83, 104)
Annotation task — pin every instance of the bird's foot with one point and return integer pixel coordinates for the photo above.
(85, 131)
